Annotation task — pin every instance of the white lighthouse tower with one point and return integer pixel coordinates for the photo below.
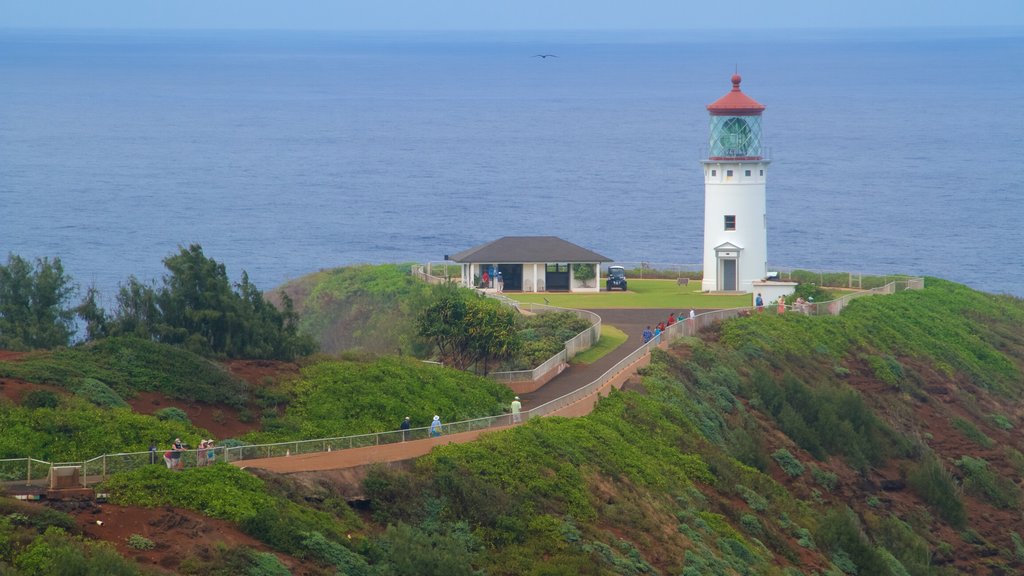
(735, 170)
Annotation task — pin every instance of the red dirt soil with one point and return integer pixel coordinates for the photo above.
(220, 421)
(177, 534)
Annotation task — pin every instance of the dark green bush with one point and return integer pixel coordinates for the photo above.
(980, 480)
(40, 399)
(935, 485)
(826, 479)
(172, 414)
(840, 534)
(100, 394)
(789, 463)
(972, 433)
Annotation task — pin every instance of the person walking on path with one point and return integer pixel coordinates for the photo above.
(500, 280)
(486, 279)
(647, 335)
(435, 426)
(517, 407)
(759, 302)
(782, 305)
(404, 427)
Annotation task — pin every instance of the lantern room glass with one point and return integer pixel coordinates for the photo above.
(735, 137)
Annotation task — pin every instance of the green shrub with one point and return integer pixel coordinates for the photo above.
(972, 433)
(266, 564)
(840, 534)
(219, 560)
(980, 480)
(544, 335)
(935, 485)
(756, 502)
(886, 368)
(40, 399)
(100, 394)
(1018, 546)
(751, 525)
(1001, 421)
(789, 464)
(826, 479)
(140, 542)
(55, 552)
(405, 549)
(172, 414)
(334, 554)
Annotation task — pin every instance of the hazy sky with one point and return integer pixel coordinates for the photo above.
(506, 14)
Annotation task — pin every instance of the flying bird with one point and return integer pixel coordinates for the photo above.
(545, 56)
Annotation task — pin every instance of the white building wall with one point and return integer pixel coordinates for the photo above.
(741, 196)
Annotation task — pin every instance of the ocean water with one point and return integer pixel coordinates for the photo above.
(284, 153)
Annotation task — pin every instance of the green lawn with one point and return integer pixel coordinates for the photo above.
(611, 338)
(641, 294)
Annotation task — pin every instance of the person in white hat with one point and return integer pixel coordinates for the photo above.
(435, 426)
(517, 407)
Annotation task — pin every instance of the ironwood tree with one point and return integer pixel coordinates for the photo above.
(198, 307)
(34, 304)
(469, 330)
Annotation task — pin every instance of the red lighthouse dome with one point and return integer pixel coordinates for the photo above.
(735, 102)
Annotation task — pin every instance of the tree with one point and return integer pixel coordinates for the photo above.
(198, 308)
(94, 316)
(34, 310)
(468, 329)
(584, 273)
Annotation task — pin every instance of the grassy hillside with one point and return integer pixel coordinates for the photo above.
(368, 308)
(884, 441)
(338, 398)
(130, 365)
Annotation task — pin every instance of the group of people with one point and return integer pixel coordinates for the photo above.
(436, 428)
(648, 335)
(495, 275)
(205, 454)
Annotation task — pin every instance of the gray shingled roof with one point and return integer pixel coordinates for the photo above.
(517, 249)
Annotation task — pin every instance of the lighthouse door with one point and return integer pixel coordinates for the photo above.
(728, 274)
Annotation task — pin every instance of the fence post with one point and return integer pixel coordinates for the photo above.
(28, 473)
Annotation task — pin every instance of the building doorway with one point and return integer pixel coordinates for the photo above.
(512, 275)
(556, 277)
(728, 281)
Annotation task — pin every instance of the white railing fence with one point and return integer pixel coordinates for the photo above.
(35, 472)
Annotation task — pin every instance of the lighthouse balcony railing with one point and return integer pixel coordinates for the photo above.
(754, 154)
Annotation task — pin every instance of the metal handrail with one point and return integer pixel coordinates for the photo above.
(686, 327)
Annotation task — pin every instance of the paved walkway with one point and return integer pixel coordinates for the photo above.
(630, 321)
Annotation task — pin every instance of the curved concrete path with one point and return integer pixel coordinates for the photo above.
(630, 321)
